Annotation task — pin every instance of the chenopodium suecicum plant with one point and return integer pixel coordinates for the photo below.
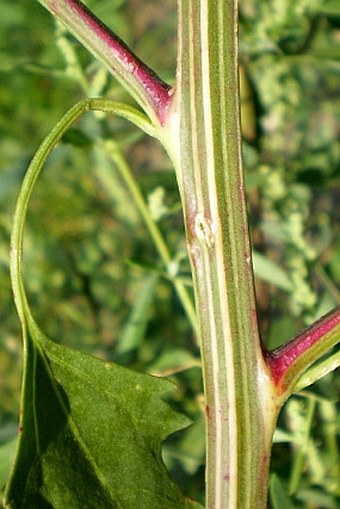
(91, 431)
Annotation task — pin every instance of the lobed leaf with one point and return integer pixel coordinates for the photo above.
(91, 434)
(90, 431)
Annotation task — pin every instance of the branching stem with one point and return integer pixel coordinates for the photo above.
(198, 123)
(289, 362)
(151, 93)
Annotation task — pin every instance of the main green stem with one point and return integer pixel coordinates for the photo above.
(203, 139)
(198, 123)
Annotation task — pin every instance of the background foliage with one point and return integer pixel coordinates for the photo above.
(93, 275)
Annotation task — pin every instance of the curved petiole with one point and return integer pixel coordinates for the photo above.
(33, 172)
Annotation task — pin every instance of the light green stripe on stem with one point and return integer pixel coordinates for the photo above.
(202, 136)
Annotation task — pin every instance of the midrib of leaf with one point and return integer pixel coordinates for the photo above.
(205, 148)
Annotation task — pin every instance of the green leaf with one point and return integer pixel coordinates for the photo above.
(330, 8)
(278, 494)
(134, 330)
(77, 138)
(7, 452)
(174, 359)
(191, 451)
(91, 434)
(316, 498)
(270, 272)
(90, 431)
(281, 436)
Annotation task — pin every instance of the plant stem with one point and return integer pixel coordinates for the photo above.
(289, 362)
(202, 136)
(151, 93)
(198, 123)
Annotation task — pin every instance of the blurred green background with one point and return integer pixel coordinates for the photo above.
(91, 270)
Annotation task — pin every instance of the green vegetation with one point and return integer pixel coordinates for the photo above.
(94, 277)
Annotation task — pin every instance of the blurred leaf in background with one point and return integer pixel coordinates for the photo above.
(290, 55)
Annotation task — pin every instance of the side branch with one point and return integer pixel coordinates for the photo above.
(151, 93)
(289, 362)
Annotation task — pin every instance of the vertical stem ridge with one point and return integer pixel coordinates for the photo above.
(205, 146)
